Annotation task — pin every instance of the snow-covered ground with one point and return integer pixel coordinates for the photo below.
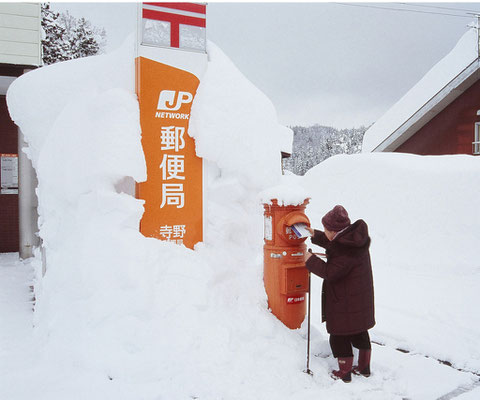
(121, 316)
(425, 302)
(422, 219)
(16, 313)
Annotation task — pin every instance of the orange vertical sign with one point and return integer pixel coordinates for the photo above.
(173, 192)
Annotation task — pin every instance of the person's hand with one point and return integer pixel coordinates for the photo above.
(310, 230)
(308, 254)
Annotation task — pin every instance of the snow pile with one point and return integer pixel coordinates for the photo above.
(288, 192)
(81, 121)
(414, 200)
(423, 221)
(240, 133)
(444, 72)
(15, 331)
(133, 316)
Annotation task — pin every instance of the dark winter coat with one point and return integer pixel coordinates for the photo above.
(347, 291)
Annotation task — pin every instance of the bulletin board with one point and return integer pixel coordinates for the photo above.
(9, 173)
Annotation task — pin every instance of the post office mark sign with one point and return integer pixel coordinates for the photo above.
(173, 190)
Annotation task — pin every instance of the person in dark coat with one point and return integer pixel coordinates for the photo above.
(347, 291)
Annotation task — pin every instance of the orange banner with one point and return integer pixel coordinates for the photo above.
(173, 192)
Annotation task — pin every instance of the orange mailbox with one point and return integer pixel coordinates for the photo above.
(284, 273)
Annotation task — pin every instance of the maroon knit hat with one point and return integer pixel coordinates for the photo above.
(336, 220)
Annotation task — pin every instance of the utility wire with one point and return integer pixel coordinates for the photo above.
(438, 7)
(404, 10)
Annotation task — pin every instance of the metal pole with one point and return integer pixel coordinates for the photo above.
(307, 370)
(27, 202)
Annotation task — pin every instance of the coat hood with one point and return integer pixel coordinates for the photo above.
(356, 235)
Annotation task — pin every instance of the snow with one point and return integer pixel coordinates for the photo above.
(241, 132)
(470, 395)
(16, 304)
(122, 316)
(288, 192)
(462, 55)
(422, 216)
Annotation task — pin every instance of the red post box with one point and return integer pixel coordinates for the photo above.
(284, 273)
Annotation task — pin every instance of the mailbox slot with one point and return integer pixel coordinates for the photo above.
(295, 218)
(294, 279)
(285, 223)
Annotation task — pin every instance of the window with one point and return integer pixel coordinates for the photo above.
(476, 142)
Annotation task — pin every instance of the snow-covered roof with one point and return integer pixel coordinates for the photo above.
(449, 78)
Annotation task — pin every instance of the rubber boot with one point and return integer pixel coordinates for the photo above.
(363, 367)
(345, 369)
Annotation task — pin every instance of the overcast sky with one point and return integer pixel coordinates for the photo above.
(338, 64)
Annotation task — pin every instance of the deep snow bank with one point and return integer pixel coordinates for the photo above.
(422, 208)
(116, 307)
(235, 124)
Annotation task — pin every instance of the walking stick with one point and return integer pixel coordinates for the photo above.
(308, 371)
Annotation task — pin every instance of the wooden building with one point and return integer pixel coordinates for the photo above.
(441, 113)
(20, 51)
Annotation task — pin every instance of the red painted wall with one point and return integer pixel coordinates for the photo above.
(9, 240)
(451, 131)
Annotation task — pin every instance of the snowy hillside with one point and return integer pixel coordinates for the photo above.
(313, 144)
(121, 316)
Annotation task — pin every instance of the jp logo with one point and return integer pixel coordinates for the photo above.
(171, 101)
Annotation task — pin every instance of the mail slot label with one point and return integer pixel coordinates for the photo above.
(295, 300)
